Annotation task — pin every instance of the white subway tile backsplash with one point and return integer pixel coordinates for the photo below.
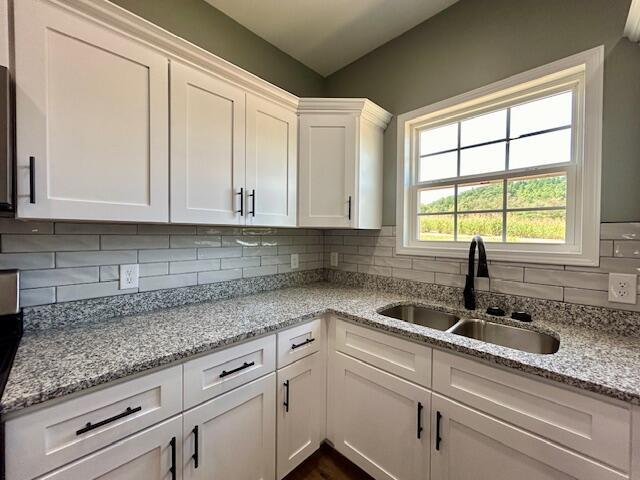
(168, 281)
(259, 251)
(49, 243)
(96, 228)
(220, 252)
(27, 261)
(596, 298)
(287, 249)
(219, 276)
(190, 266)
(59, 276)
(240, 262)
(395, 262)
(109, 273)
(240, 241)
(436, 266)
(593, 281)
(166, 255)
(259, 271)
(90, 290)
(276, 240)
(359, 259)
(148, 229)
(377, 251)
(196, 241)
(374, 270)
(80, 259)
(133, 242)
(153, 269)
(626, 248)
(527, 289)
(454, 280)
(606, 248)
(8, 225)
(620, 231)
(275, 260)
(37, 296)
(502, 272)
(415, 275)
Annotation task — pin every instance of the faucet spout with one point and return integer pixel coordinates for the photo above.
(483, 271)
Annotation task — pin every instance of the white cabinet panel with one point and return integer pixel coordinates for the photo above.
(92, 113)
(297, 342)
(207, 148)
(271, 165)
(299, 411)
(219, 372)
(327, 170)
(378, 421)
(66, 431)
(474, 445)
(236, 434)
(403, 358)
(588, 425)
(147, 455)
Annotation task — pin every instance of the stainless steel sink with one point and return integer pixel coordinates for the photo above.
(507, 336)
(421, 316)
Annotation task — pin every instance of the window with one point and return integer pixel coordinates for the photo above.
(517, 162)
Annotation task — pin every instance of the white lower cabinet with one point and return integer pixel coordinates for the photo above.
(468, 444)
(233, 436)
(152, 454)
(299, 411)
(378, 421)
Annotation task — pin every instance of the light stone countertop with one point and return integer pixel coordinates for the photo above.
(56, 362)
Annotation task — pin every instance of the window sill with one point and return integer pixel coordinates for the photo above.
(545, 254)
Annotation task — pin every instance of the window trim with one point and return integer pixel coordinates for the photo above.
(584, 73)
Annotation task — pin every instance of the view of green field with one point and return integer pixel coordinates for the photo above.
(521, 226)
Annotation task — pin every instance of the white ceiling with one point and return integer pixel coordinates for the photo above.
(326, 35)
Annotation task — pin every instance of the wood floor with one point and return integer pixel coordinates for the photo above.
(327, 464)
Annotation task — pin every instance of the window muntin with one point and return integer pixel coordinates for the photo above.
(481, 174)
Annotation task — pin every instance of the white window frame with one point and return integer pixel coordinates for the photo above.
(583, 73)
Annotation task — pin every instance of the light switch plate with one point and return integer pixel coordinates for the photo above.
(129, 276)
(334, 259)
(295, 260)
(623, 287)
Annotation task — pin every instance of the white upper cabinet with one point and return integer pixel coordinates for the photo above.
(92, 119)
(271, 165)
(207, 148)
(340, 176)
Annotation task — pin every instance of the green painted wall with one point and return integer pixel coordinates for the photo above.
(207, 27)
(477, 42)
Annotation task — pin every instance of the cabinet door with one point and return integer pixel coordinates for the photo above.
(475, 445)
(148, 455)
(271, 172)
(235, 434)
(328, 148)
(207, 148)
(92, 119)
(379, 421)
(299, 412)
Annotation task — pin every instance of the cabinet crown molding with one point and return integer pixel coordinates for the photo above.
(632, 28)
(175, 47)
(359, 106)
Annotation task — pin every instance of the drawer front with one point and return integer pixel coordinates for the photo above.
(298, 342)
(400, 357)
(580, 422)
(219, 372)
(47, 438)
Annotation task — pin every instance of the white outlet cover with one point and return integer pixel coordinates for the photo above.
(129, 276)
(334, 259)
(623, 287)
(295, 260)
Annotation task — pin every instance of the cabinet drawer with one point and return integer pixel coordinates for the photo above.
(400, 357)
(53, 436)
(580, 422)
(298, 342)
(219, 372)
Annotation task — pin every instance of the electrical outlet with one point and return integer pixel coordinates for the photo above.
(334, 259)
(295, 260)
(623, 287)
(129, 276)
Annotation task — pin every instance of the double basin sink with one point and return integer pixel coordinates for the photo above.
(496, 333)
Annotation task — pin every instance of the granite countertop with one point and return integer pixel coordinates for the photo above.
(56, 362)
